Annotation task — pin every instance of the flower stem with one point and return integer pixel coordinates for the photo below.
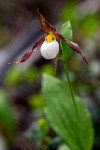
(74, 102)
(71, 90)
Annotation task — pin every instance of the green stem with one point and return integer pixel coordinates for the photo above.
(71, 90)
(74, 102)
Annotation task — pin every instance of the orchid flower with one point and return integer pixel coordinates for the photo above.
(49, 43)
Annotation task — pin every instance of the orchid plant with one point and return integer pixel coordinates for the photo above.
(64, 110)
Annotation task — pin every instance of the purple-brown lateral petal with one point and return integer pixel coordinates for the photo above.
(25, 57)
(72, 45)
(38, 43)
(76, 48)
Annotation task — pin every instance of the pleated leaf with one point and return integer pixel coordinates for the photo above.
(60, 112)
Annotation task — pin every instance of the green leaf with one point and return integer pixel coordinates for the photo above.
(7, 121)
(60, 112)
(66, 31)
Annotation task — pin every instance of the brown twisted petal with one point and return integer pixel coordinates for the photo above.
(27, 55)
(38, 43)
(45, 26)
(72, 45)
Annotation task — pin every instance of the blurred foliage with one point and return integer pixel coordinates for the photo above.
(15, 75)
(88, 24)
(84, 24)
(69, 13)
(63, 147)
(7, 119)
(43, 126)
(36, 101)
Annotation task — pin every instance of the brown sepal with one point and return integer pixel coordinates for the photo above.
(45, 26)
